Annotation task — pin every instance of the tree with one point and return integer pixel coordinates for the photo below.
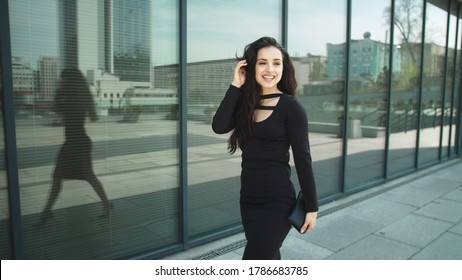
(408, 21)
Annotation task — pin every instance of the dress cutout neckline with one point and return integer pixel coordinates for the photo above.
(267, 107)
(271, 95)
(268, 96)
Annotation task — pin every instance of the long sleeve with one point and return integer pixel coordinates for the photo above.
(223, 120)
(297, 126)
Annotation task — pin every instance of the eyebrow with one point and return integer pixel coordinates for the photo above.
(267, 59)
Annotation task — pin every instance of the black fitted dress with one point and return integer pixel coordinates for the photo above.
(75, 156)
(74, 104)
(267, 193)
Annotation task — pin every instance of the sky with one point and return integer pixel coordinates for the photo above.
(217, 29)
(33, 33)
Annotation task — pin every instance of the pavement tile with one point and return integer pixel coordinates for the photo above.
(337, 231)
(443, 209)
(229, 256)
(415, 230)
(451, 173)
(410, 196)
(446, 247)
(455, 195)
(374, 247)
(380, 210)
(457, 228)
(435, 184)
(295, 248)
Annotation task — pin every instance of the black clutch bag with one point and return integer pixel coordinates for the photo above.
(297, 216)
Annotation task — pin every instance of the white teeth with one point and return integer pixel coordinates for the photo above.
(268, 77)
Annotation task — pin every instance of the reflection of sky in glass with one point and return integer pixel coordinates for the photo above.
(165, 28)
(34, 29)
(435, 25)
(369, 16)
(220, 29)
(313, 24)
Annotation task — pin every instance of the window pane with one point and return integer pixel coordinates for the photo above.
(369, 74)
(5, 241)
(404, 85)
(217, 31)
(127, 158)
(450, 110)
(432, 91)
(319, 59)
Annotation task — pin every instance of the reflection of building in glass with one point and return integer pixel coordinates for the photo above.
(94, 35)
(437, 55)
(368, 59)
(432, 71)
(208, 80)
(24, 83)
(159, 101)
(48, 77)
(109, 89)
(131, 23)
(113, 94)
(308, 70)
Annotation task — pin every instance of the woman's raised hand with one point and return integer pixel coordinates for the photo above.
(239, 74)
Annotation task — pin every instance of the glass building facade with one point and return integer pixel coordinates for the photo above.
(380, 80)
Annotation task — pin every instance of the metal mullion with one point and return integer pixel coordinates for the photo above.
(183, 74)
(346, 99)
(443, 101)
(389, 83)
(10, 133)
(459, 116)
(285, 23)
(422, 59)
(453, 85)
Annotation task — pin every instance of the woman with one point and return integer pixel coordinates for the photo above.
(74, 103)
(266, 120)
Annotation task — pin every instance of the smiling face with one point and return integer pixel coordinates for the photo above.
(268, 69)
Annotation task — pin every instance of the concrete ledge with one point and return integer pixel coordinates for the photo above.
(333, 128)
(373, 131)
(320, 127)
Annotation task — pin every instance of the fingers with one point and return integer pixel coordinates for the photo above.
(240, 68)
(310, 222)
(305, 228)
(241, 63)
(239, 73)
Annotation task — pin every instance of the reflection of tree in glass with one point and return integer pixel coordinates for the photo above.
(74, 102)
(408, 21)
(319, 71)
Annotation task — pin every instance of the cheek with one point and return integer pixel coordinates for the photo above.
(258, 73)
(258, 70)
(280, 72)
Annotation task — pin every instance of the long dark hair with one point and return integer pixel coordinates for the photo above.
(250, 91)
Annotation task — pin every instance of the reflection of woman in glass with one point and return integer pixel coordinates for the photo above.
(73, 103)
(266, 120)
